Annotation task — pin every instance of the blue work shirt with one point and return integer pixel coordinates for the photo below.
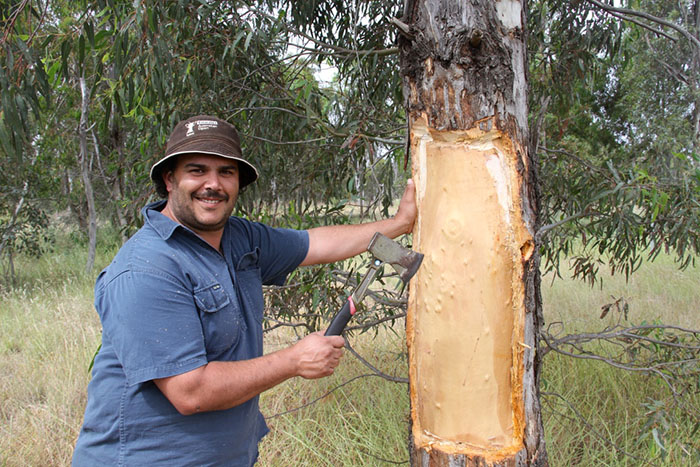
(170, 303)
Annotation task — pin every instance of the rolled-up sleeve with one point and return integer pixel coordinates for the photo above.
(282, 251)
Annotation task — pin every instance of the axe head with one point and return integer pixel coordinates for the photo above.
(406, 262)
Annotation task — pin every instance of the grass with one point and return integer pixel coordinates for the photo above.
(362, 422)
(601, 415)
(49, 332)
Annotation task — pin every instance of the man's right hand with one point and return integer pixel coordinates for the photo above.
(318, 355)
(222, 385)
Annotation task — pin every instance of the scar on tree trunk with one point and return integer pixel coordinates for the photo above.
(474, 306)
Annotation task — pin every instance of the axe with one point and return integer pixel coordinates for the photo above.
(385, 251)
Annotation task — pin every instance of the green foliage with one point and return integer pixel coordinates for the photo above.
(28, 234)
(23, 82)
(617, 147)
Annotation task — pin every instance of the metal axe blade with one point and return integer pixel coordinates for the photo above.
(405, 261)
(385, 251)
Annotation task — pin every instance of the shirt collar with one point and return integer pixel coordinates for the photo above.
(162, 224)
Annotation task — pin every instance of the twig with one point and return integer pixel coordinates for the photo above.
(535, 141)
(578, 159)
(13, 18)
(377, 372)
(629, 333)
(630, 337)
(628, 15)
(585, 212)
(591, 356)
(38, 26)
(370, 324)
(296, 409)
(282, 324)
(324, 45)
(284, 143)
(388, 461)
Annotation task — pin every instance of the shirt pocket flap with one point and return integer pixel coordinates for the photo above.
(211, 298)
(248, 260)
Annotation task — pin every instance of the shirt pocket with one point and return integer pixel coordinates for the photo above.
(250, 284)
(222, 323)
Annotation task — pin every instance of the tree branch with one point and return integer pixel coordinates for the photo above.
(377, 372)
(585, 212)
(339, 50)
(630, 340)
(371, 324)
(628, 15)
(312, 402)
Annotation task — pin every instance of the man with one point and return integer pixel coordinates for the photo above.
(177, 379)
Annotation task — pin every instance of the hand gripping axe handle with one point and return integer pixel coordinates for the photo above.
(385, 251)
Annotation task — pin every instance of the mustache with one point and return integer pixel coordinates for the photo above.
(212, 194)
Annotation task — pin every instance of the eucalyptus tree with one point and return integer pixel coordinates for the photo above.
(24, 88)
(614, 119)
(475, 310)
(616, 95)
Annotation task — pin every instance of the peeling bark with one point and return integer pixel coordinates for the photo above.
(475, 306)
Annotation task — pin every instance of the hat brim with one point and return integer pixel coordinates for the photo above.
(247, 172)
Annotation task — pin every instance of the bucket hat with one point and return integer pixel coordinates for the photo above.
(205, 134)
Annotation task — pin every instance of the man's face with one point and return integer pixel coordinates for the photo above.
(202, 190)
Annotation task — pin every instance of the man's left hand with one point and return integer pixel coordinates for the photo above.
(408, 210)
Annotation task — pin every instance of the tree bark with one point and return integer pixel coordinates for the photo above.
(117, 139)
(475, 306)
(114, 185)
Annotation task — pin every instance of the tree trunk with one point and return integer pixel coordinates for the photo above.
(695, 86)
(113, 185)
(475, 307)
(117, 138)
(7, 232)
(85, 174)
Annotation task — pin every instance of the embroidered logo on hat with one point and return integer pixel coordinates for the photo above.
(201, 125)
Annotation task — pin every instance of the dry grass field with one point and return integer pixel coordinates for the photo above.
(594, 414)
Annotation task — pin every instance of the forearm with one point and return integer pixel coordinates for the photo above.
(221, 385)
(337, 242)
